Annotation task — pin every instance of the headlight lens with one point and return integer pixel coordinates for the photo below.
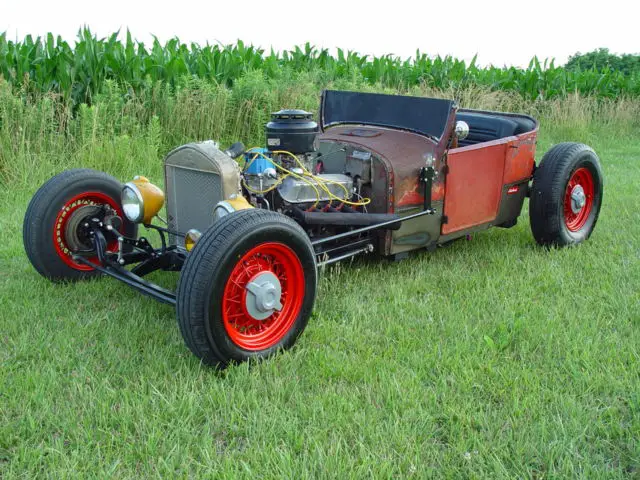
(141, 200)
(132, 203)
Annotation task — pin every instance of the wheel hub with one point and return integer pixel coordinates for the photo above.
(263, 296)
(578, 198)
(75, 233)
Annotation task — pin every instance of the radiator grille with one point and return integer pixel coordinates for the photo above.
(192, 195)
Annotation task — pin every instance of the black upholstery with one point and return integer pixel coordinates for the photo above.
(484, 127)
(524, 124)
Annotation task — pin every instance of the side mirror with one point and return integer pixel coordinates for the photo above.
(462, 130)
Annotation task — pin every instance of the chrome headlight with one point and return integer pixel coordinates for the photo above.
(222, 209)
(233, 204)
(141, 200)
(132, 203)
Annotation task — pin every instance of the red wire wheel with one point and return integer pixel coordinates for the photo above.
(247, 289)
(565, 196)
(276, 263)
(53, 227)
(67, 219)
(578, 199)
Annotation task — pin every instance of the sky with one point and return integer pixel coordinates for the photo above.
(499, 32)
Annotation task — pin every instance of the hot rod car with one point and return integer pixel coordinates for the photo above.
(249, 227)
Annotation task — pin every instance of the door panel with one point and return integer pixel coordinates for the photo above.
(473, 186)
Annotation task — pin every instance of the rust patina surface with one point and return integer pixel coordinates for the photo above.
(403, 154)
(397, 158)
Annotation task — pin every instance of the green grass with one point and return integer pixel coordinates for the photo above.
(488, 358)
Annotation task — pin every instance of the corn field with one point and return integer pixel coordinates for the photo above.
(80, 72)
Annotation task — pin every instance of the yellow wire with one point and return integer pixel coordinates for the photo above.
(295, 175)
(320, 183)
(321, 180)
(247, 165)
(262, 192)
(309, 174)
(259, 192)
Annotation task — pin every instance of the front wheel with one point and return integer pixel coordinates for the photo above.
(247, 288)
(54, 228)
(566, 195)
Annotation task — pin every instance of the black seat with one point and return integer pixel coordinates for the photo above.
(485, 128)
(525, 124)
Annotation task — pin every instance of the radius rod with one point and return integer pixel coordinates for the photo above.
(371, 228)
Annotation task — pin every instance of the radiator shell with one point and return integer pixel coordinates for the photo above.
(197, 176)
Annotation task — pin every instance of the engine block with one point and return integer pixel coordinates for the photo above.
(307, 189)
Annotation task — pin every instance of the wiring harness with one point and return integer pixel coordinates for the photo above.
(315, 181)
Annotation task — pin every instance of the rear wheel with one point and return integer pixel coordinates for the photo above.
(247, 288)
(566, 195)
(54, 226)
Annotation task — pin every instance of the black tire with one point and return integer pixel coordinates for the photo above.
(550, 222)
(43, 210)
(207, 270)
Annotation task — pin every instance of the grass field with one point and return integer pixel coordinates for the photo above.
(489, 358)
